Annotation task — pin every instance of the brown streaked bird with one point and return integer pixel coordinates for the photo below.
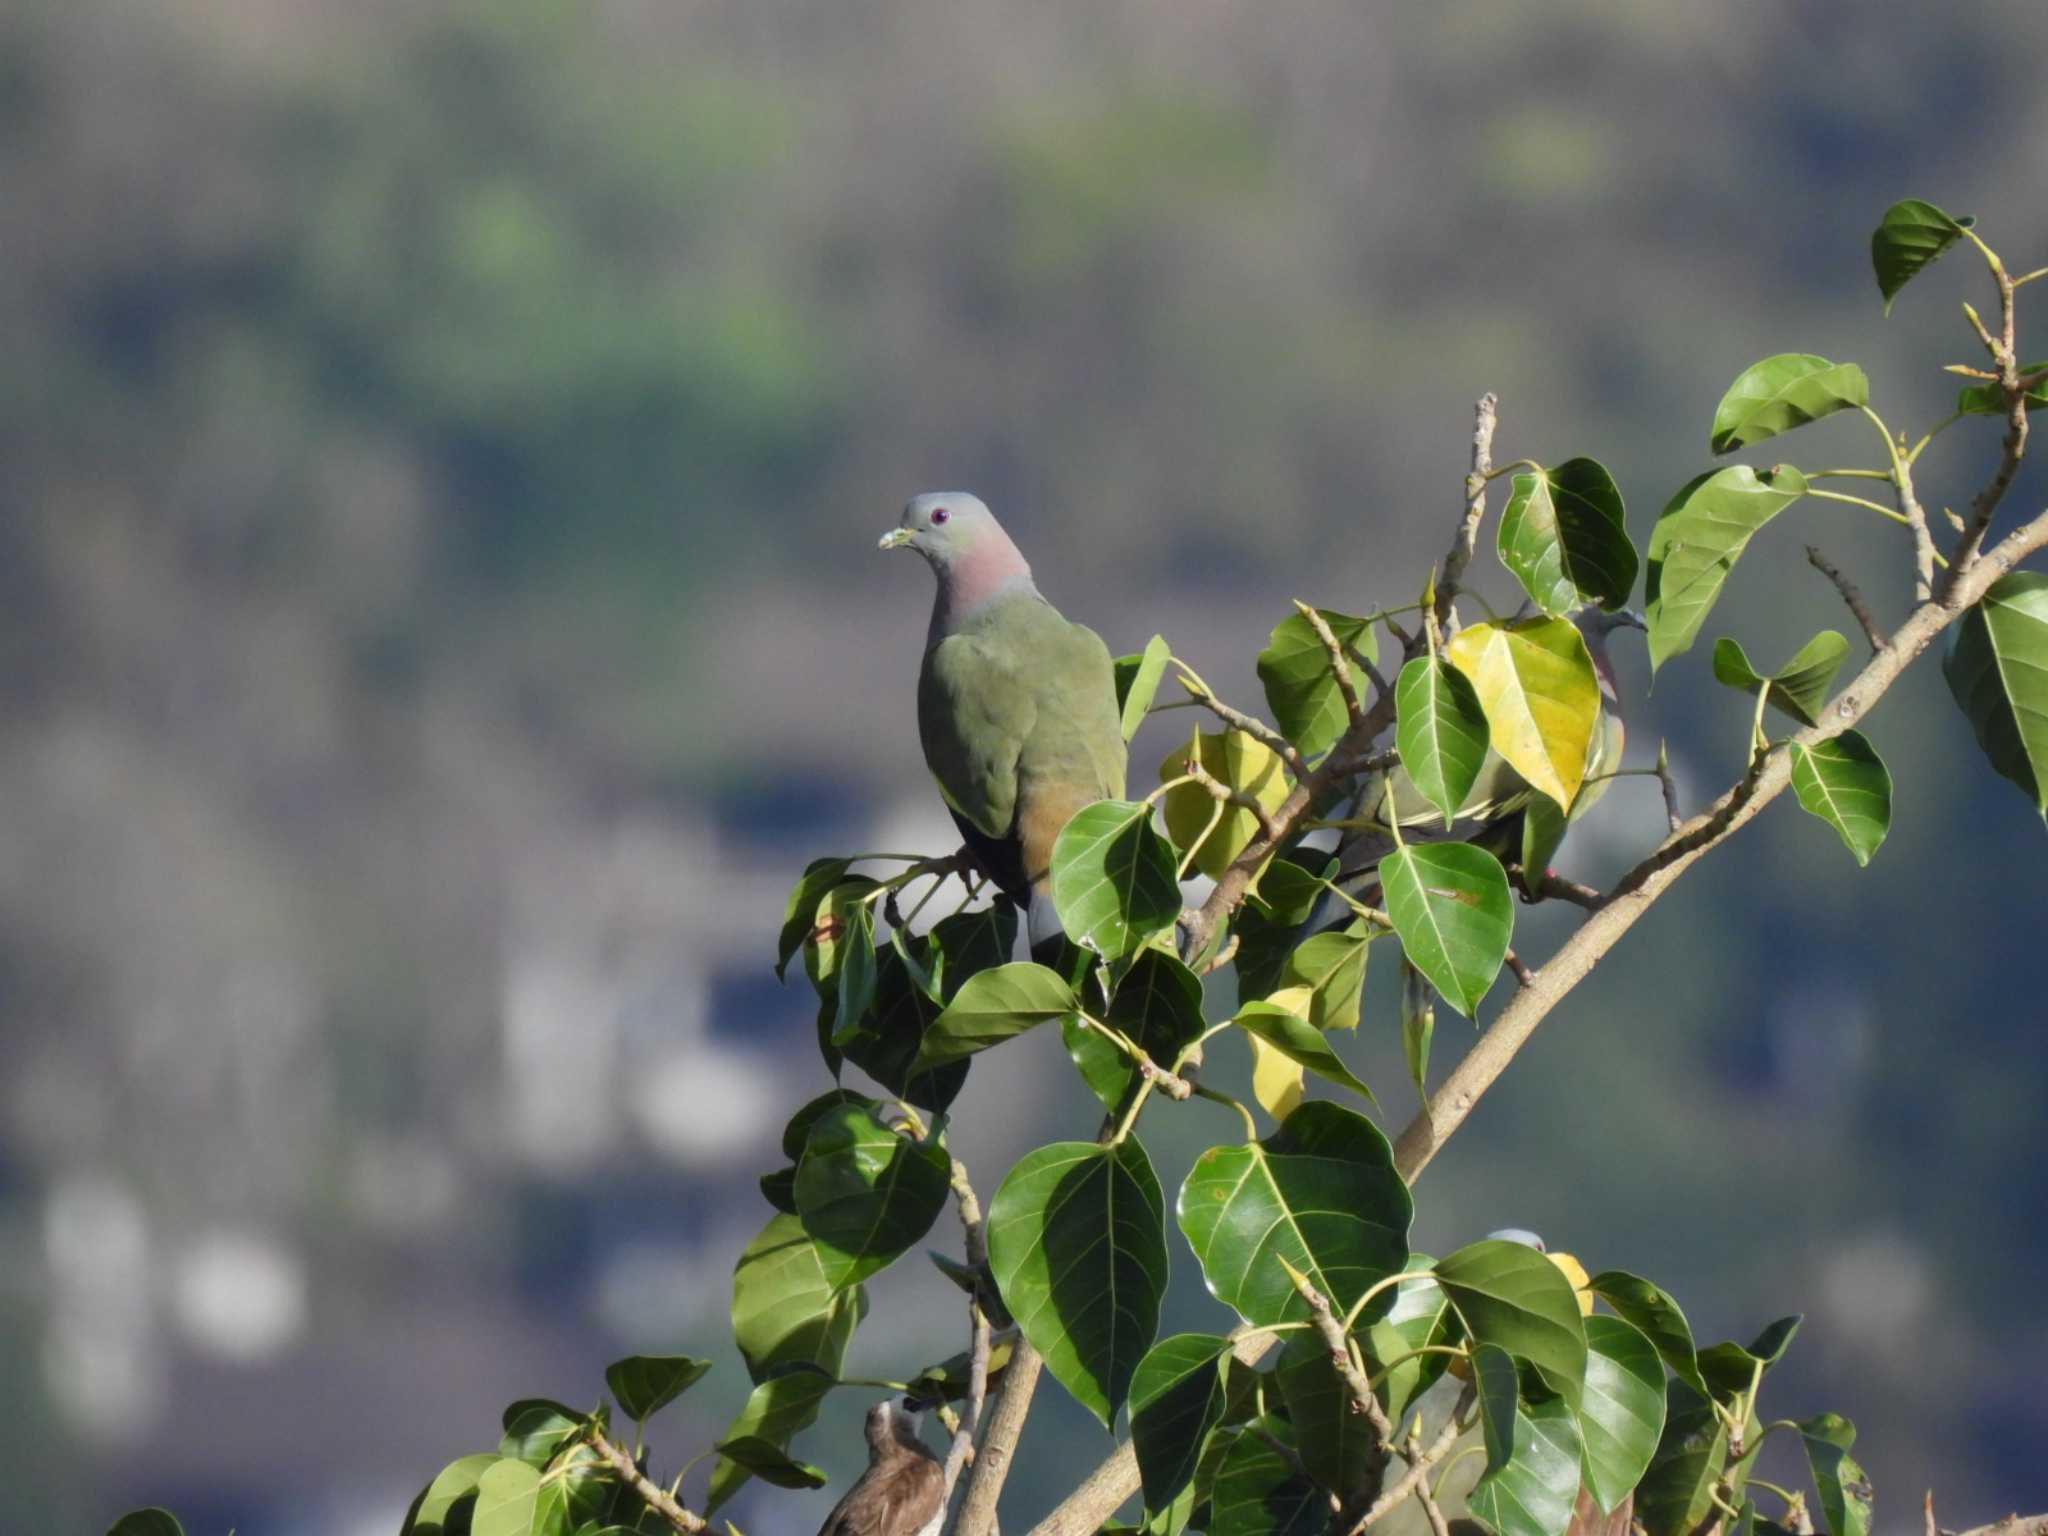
(903, 1490)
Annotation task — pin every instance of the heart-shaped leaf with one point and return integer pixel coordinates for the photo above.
(1531, 1480)
(1784, 392)
(1699, 536)
(1259, 1489)
(1451, 906)
(448, 1498)
(769, 1462)
(1137, 682)
(1564, 535)
(1800, 687)
(1846, 784)
(1077, 1242)
(536, 1428)
(801, 910)
(1440, 730)
(775, 1412)
(1421, 1315)
(855, 966)
(888, 1044)
(1511, 1296)
(784, 1309)
(1299, 1041)
(1336, 1441)
(1997, 668)
(1301, 689)
(1177, 1397)
(866, 1195)
(512, 1500)
(1320, 1193)
(1113, 878)
(1911, 234)
(645, 1384)
(1237, 761)
(1622, 1415)
(994, 1005)
(1657, 1316)
(1845, 1494)
(1157, 1005)
(1331, 967)
(1536, 682)
(1677, 1492)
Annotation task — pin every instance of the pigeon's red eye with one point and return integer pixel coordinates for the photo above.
(940, 514)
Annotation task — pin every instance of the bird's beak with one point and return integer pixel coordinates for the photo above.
(1630, 618)
(896, 538)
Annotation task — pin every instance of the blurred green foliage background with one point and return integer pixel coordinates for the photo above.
(441, 450)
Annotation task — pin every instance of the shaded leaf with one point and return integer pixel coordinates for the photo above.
(645, 1384)
(1533, 1490)
(866, 1195)
(1258, 1492)
(1137, 682)
(994, 1005)
(770, 1463)
(1800, 687)
(1331, 968)
(1113, 878)
(1535, 680)
(512, 1500)
(1728, 1368)
(1233, 759)
(1451, 905)
(1513, 1297)
(1077, 1242)
(775, 1411)
(1911, 234)
(1301, 690)
(853, 981)
(446, 1506)
(1622, 1416)
(1321, 1193)
(1784, 392)
(1845, 783)
(536, 1429)
(1177, 1397)
(888, 1047)
(801, 910)
(1845, 1492)
(1699, 536)
(1289, 890)
(1157, 1005)
(1418, 1025)
(150, 1522)
(948, 1381)
(1336, 1443)
(1657, 1316)
(1676, 1494)
(1440, 730)
(1279, 1082)
(1421, 1315)
(1299, 1041)
(1997, 669)
(784, 1309)
(1564, 536)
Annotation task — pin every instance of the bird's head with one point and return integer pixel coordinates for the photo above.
(946, 527)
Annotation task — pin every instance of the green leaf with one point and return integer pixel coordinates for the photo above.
(1536, 681)
(1158, 1005)
(1440, 730)
(775, 1412)
(444, 1507)
(1177, 1397)
(1077, 1242)
(1137, 682)
(1513, 1297)
(825, 940)
(536, 1429)
(1451, 906)
(1845, 783)
(1676, 1494)
(801, 910)
(888, 1046)
(1784, 392)
(1532, 1489)
(1989, 399)
(771, 1463)
(1300, 1042)
(1418, 1024)
(1258, 1492)
(784, 1309)
(1421, 1315)
(1301, 690)
(1699, 536)
(1332, 967)
(855, 976)
(1564, 536)
(1997, 668)
(1336, 1442)
(149, 1522)
(1845, 1492)
(645, 1384)
(1113, 878)
(866, 1195)
(1288, 891)
(1622, 1416)
(968, 943)
(1910, 236)
(1800, 687)
(1237, 761)
(1660, 1319)
(1320, 1193)
(993, 1006)
(1728, 1368)
(948, 1382)
(511, 1500)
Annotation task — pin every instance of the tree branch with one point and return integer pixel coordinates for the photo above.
(1419, 1468)
(974, 1242)
(1485, 417)
(2005, 352)
(1340, 664)
(656, 1497)
(1850, 596)
(977, 1515)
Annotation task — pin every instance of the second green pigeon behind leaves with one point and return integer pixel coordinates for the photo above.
(1016, 705)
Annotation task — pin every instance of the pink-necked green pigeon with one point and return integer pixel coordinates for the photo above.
(1016, 705)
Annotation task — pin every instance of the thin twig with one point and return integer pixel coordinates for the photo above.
(1223, 956)
(1431, 1510)
(656, 1497)
(1551, 887)
(1519, 968)
(2005, 351)
(974, 1242)
(1331, 1327)
(1225, 795)
(1253, 727)
(1418, 1468)
(1673, 817)
(1850, 595)
(1485, 418)
(1340, 664)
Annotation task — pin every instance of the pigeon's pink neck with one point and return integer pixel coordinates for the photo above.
(992, 568)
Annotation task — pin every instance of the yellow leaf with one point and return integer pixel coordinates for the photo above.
(1295, 1000)
(1536, 682)
(1575, 1272)
(1232, 758)
(1276, 1079)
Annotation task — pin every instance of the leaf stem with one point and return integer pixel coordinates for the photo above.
(1251, 1126)
(1850, 474)
(1384, 1283)
(1858, 501)
(1387, 1367)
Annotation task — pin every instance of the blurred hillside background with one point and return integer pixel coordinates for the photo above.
(441, 453)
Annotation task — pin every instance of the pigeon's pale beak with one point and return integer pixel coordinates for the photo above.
(896, 538)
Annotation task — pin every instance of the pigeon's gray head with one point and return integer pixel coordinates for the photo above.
(1520, 1235)
(948, 528)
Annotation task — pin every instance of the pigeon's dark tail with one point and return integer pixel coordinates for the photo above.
(999, 858)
